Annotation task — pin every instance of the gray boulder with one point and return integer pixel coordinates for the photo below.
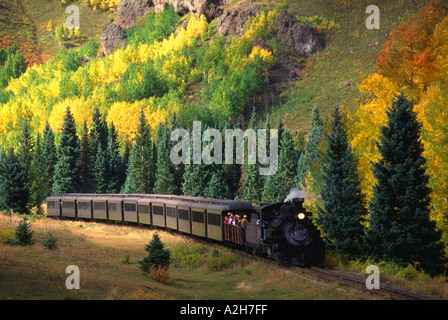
(234, 19)
(304, 39)
(111, 37)
(129, 11)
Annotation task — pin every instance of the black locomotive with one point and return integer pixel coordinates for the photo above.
(279, 231)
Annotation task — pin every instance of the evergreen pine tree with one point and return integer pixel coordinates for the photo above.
(115, 166)
(310, 158)
(140, 173)
(37, 190)
(66, 173)
(23, 234)
(252, 182)
(284, 178)
(233, 170)
(86, 165)
(400, 228)
(100, 170)
(98, 135)
(196, 176)
(15, 183)
(26, 145)
(269, 189)
(158, 256)
(165, 171)
(179, 168)
(49, 159)
(343, 212)
(217, 187)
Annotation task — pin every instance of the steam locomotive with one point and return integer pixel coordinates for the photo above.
(282, 232)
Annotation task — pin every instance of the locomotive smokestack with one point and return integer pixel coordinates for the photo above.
(295, 195)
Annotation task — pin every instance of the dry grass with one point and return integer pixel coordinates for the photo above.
(36, 272)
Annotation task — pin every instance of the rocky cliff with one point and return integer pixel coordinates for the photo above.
(302, 38)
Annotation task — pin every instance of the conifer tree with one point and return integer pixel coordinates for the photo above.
(140, 172)
(98, 135)
(86, 165)
(26, 145)
(66, 173)
(284, 178)
(400, 228)
(15, 183)
(344, 208)
(269, 189)
(252, 182)
(196, 177)
(49, 158)
(38, 191)
(233, 171)
(178, 168)
(217, 187)
(165, 171)
(158, 256)
(100, 170)
(309, 159)
(115, 166)
(23, 234)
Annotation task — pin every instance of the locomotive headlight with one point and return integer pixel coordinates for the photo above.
(301, 216)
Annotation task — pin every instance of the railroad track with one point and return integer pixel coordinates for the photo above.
(351, 280)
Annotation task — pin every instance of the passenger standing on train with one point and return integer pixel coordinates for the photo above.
(226, 220)
(230, 221)
(236, 220)
(243, 224)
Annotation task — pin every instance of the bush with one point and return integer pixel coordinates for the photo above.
(189, 256)
(50, 242)
(6, 234)
(157, 255)
(159, 273)
(220, 262)
(125, 258)
(23, 235)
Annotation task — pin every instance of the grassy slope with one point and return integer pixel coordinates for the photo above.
(24, 23)
(37, 273)
(351, 49)
(41, 11)
(17, 28)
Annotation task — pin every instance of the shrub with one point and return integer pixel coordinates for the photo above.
(220, 263)
(125, 258)
(157, 255)
(159, 273)
(50, 242)
(6, 234)
(189, 256)
(23, 235)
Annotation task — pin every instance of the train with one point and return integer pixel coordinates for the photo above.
(283, 232)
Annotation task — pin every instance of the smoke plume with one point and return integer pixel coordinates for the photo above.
(295, 193)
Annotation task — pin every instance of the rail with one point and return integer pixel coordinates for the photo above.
(393, 292)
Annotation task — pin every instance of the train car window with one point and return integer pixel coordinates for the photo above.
(171, 212)
(184, 214)
(51, 204)
(113, 206)
(214, 219)
(99, 206)
(68, 205)
(84, 205)
(198, 216)
(130, 207)
(157, 210)
(143, 208)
